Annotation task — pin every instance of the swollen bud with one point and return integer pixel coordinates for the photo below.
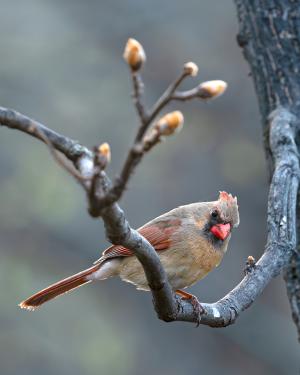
(251, 260)
(212, 89)
(170, 123)
(190, 68)
(104, 151)
(250, 265)
(134, 54)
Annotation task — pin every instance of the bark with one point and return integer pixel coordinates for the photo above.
(269, 34)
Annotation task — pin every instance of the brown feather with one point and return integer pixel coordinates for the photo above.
(58, 288)
(158, 234)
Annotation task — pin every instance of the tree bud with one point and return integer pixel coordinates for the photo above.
(170, 123)
(104, 151)
(134, 54)
(212, 89)
(251, 260)
(190, 68)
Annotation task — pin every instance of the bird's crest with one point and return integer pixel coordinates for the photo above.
(223, 196)
(229, 208)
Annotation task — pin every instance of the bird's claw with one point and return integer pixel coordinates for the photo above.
(198, 309)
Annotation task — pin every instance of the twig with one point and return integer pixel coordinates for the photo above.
(151, 140)
(138, 88)
(61, 162)
(73, 150)
(137, 151)
(186, 95)
(166, 97)
(206, 91)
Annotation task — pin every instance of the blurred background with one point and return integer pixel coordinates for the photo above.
(61, 63)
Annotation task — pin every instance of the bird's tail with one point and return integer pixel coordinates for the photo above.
(59, 288)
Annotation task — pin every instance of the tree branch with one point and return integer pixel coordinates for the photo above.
(15, 120)
(166, 97)
(138, 89)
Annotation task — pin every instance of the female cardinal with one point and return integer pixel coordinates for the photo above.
(190, 240)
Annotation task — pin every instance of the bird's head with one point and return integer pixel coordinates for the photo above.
(223, 216)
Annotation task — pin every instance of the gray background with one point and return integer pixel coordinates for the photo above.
(61, 63)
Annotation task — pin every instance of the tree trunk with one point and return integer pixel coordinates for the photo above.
(269, 34)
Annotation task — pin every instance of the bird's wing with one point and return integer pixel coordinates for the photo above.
(157, 233)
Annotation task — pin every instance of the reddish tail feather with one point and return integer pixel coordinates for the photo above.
(58, 288)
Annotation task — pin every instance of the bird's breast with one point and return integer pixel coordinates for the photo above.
(188, 259)
(188, 262)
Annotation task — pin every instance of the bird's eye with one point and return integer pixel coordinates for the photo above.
(214, 213)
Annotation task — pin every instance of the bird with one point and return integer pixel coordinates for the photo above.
(190, 240)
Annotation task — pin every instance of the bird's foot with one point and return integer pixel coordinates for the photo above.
(197, 307)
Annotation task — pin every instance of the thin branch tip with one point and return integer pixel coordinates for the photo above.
(190, 68)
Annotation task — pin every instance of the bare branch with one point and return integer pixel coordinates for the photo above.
(166, 97)
(205, 91)
(57, 157)
(15, 120)
(138, 88)
(137, 151)
(152, 139)
(135, 57)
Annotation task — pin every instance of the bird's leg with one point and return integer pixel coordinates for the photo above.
(198, 309)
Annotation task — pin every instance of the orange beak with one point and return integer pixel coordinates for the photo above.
(221, 231)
